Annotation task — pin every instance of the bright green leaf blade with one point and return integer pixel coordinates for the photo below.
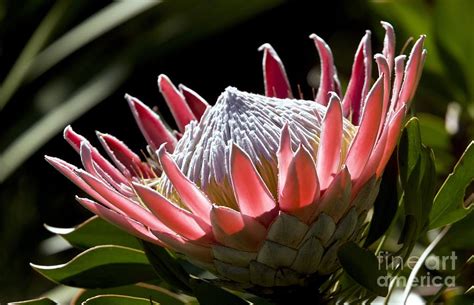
(119, 300)
(140, 290)
(95, 232)
(40, 301)
(210, 294)
(363, 267)
(448, 205)
(99, 267)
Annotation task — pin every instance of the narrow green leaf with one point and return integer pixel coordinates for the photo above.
(386, 204)
(417, 176)
(209, 294)
(409, 149)
(470, 291)
(167, 267)
(101, 267)
(427, 185)
(40, 301)
(140, 290)
(363, 267)
(95, 232)
(448, 204)
(119, 299)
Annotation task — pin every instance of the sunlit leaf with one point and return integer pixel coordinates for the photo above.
(95, 232)
(449, 205)
(119, 299)
(99, 267)
(140, 290)
(40, 301)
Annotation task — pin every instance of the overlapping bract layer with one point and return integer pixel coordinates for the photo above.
(260, 190)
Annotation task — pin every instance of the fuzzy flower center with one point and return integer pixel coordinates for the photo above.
(253, 122)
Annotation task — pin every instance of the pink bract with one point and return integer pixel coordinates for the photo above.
(261, 190)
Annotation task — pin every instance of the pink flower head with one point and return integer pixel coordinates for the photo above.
(261, 190)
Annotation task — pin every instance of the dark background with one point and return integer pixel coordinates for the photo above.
(207, 55)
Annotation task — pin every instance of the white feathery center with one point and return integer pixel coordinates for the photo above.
(253, 122)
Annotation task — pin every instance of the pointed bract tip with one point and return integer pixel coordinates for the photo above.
(100, 135)
(265, 46)
(48, 158)
(386, 25)
(182, 88)
(128, 97)
(379, 55)
(162, 78)
(67, 129)
(161, 152)
(333, 95)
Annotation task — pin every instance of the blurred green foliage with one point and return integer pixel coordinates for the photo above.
(62, 58)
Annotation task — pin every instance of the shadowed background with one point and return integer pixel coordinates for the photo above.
(65, 62)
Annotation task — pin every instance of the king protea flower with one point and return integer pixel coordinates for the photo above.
(261, 190)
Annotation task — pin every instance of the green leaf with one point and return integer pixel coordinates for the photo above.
(386, 204)
(95, 232)
(417, 176)
(448, 205)
(409, 232)
(427, 185)
(461, 235)
(101, 267)
(409, 149)
(140, 290)
(363, 267)
(39, 301)
(209, 294)
(470, 260)
(119, 299)
(167, 267)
